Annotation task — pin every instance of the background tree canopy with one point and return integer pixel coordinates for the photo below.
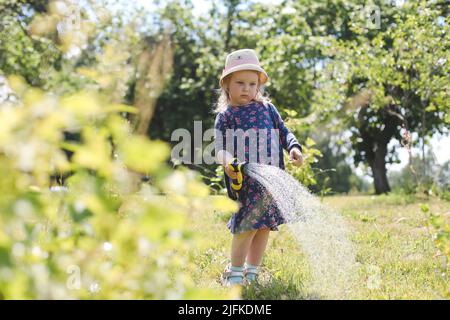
(329, 67)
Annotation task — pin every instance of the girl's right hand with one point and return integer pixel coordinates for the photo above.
(230, 172)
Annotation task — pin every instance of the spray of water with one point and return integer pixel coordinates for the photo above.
(321, 232)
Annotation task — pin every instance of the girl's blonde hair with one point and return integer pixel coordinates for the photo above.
(224, 98)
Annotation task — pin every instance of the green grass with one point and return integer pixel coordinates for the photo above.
(395, 252)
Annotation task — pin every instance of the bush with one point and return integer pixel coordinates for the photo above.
(441, 238)
(104, 234)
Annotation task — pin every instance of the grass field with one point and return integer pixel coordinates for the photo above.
(395, 253)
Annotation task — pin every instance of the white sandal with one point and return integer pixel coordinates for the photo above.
(251, 274)
(232, 277)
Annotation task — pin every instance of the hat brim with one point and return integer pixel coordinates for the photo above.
(263, 77)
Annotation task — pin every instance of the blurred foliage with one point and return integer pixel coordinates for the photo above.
(333, 171)
(104, 234)
(19, 52)
(305, 173)
(189, 94)
(419, 177)
(216, 180)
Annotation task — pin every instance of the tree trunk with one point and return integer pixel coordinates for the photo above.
(379, 172)
(375, 141)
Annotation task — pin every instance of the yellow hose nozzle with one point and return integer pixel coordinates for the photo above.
(236, 184)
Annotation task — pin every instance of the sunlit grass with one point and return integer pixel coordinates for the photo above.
(395, 252)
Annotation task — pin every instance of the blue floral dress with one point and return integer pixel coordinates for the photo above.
(257, 209)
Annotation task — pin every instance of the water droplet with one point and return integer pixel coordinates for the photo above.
(320, 231)
(79, 206)
(107, 246)
(94, 287)
(18, 249)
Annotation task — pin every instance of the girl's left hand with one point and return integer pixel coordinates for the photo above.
(296, 157)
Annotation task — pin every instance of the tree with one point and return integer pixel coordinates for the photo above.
(391, 78)
(418, 175)
(15, 39)
(333, 171)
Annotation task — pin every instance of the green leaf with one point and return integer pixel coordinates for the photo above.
(143, 155)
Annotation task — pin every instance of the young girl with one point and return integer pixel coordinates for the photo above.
(242, 105)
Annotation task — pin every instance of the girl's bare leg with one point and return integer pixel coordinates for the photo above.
(240, 247)
(258, 246)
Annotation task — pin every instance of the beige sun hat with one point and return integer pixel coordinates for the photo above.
(244, 59)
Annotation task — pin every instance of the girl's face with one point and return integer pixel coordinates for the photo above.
(242, 87)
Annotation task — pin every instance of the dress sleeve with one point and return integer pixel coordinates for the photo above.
(220, 137)
(288, 139)
(220, 127)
